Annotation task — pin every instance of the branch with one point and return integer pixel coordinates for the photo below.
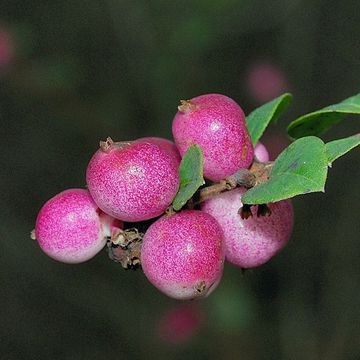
(248, 178)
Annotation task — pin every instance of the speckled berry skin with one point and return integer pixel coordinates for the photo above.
(166, 145)
(183, 254)
(250, 242)
(132, 181)
(217, 124)
(261, 153)
(70, 228)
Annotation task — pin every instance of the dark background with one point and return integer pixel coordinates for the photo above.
(74, 72)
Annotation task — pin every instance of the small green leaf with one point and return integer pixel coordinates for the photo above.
(260, 118)
(191, 176)
(300, 169)
(335, 149)
(319, 121)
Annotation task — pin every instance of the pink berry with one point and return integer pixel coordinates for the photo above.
(71, 229)
(217, 124)
(266, 81)
(183, 254)
(179, 324)
(7, 50)
(250, 242)
(166, 145)
(261, 153)
(132, 181)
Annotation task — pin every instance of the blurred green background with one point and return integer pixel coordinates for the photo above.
(74, 72)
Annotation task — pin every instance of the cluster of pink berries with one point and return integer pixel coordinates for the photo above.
(181, 253)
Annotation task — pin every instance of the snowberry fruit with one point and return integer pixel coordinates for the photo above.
(7, 50)
(217, 124)
(71, 229)
(132, 181)
(166, 145)
(265, 81)
(250, 242)
(261, 153)
(179, 324)
(183, 254)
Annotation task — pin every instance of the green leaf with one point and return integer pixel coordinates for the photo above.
(260, 118)
(319, 121)
(300, 169)
(191, 176)
(335, 149)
